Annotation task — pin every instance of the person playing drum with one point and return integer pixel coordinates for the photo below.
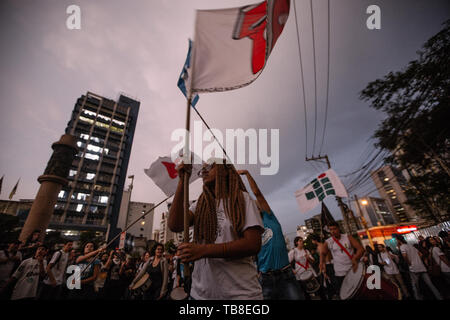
(342, 248)
(303, 261)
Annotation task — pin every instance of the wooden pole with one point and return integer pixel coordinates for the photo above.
(186, 181)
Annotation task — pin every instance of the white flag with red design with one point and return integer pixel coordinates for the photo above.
(232, 46)
(165, 176)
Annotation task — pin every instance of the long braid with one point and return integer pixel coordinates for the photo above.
(228, 189)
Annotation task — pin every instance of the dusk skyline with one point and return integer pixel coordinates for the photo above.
(138, 49)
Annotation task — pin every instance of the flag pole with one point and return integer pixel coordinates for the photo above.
(186, 180)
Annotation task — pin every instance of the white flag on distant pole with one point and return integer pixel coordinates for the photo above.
(165, 176)
(325, 184)
(232, 46)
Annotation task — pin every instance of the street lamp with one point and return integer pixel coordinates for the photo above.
(364, 202)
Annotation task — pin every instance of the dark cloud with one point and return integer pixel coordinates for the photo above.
(138, 47)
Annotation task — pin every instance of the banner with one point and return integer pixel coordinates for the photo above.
(233, 45)
(326, 184)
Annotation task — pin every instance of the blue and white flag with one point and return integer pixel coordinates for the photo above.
(185, 75)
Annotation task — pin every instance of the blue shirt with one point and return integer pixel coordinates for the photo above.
(273, 254)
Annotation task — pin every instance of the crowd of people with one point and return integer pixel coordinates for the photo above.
(238, 252)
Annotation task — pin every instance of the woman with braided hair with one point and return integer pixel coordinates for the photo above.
(227, 234)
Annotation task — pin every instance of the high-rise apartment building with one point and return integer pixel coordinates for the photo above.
(391, 185)
(104, 129)
(375, 211)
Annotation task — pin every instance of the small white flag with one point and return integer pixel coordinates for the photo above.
(325, 184)
(165, 176)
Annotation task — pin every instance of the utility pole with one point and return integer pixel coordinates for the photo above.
(338, 199)
(363, 221)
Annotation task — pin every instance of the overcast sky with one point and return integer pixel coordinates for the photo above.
(138, 48)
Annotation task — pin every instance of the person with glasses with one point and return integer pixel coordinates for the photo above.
(227, 234)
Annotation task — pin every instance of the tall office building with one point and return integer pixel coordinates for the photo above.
(391, 185)
(91, 201)
(375, 211)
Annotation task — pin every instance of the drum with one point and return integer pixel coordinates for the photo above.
(178, 293)
(355, 287)
(309, 281)
(143, 284)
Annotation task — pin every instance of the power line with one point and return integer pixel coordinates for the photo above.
(328, 80)
(303, 81)
(315, 77)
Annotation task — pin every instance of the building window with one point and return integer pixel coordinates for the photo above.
(90, 176)
(91, 147)
(61, 194)
(79, 208)
(82, 196)
(84, 136)
(92, 156)
(72, 173)
(89, 113)
(103, 199)
(86, 120)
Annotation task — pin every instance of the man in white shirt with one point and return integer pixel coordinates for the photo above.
(56, 269)
(342, 247)
(28, 275)
(417, 269)
(389, 263)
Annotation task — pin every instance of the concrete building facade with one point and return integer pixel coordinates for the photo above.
(391, 185)
(104, 130)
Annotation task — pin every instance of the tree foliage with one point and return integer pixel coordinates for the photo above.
(416, 131)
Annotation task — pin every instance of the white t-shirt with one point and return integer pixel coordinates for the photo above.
(436, 253)
(59, 268)
(7, 267)
(228, 279)
(391, 266)
(413, 256)
(27, 275)
(341, 261)
(300, 256)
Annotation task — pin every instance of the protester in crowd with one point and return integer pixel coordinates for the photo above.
(28, 248)
(445, 243)
(89, 268)
(370, 256)
(345, 250)
(145, 257)
(227, 234)
(417, 269)
(100, 282)
(158, 269)
(10, 259)
(439, 259)
(390, 269)
(28, 275)
(56, 269)
(114, 288)
(424, 252)
(128, 274)
(276, 277)
(303, 261)
(327, 279)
